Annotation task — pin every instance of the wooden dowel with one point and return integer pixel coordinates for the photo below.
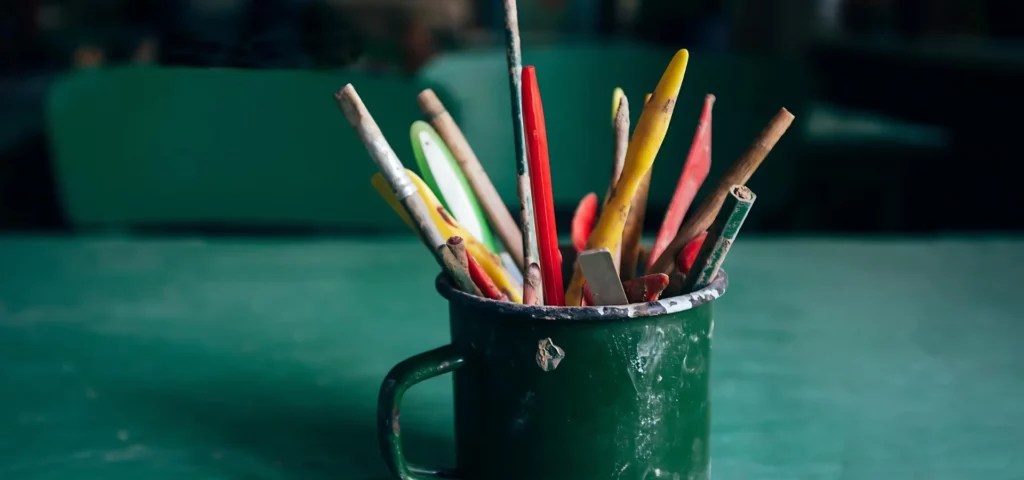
(532, 287)
(457, 272)
(458, 246)
(721, 236)
(738, 174)
(495, 209)
(634, 228)
(621, 132)
(515, 79)
(476, 272)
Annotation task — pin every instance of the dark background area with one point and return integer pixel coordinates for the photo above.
(951, 69)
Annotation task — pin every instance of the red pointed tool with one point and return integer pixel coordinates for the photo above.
(698, 164)
(540, 182)
(583, 221)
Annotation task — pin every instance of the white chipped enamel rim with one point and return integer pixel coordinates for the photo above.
(664, 306)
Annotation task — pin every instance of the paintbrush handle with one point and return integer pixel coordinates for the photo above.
(390, 166)
(738, 174)
(513, 52)
(486, 194)
(643, 148)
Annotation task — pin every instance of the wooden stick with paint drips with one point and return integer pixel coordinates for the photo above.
(620, 124)
(479, 182)
(634, 228)
(401, 185)
(483, 281)
(644, 146)
(738, 174)
(515, 77)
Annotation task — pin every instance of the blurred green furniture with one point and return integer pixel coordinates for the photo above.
(150, 145)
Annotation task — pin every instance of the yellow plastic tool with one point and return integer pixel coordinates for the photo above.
(490, 262)
(643, 148)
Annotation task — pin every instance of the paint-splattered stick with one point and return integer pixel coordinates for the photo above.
(479, 277)
(532, 287)
(515, 79)
(738, 174)
(695, 171)
(486, 194)
(721, 236)
(629, 249)
(458, 273)
(643, 148)
(458, 247)
(620, 126)
(634, 228)
(401, 185)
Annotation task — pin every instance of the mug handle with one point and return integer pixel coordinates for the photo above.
(404, 375)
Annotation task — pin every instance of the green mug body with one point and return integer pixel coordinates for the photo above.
(587, 393)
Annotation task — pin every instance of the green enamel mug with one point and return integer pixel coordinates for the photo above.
(588, 393)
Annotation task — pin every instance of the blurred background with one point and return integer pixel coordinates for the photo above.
(216, 114)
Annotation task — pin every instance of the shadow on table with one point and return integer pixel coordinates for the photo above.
(300, 442)
(243, 414)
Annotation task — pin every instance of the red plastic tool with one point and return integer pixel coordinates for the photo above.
(698, 164)
(540, 183)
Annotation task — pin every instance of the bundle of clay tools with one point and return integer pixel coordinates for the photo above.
(452, 205)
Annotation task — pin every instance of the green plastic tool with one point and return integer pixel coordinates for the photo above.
(443, 175)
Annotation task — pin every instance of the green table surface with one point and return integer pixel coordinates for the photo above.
(260, 359)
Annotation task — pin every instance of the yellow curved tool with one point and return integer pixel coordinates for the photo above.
(490, 262)
(643, 148)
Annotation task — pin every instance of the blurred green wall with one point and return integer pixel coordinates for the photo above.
(151, 145)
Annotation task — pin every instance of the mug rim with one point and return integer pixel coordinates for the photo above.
(663, 306)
